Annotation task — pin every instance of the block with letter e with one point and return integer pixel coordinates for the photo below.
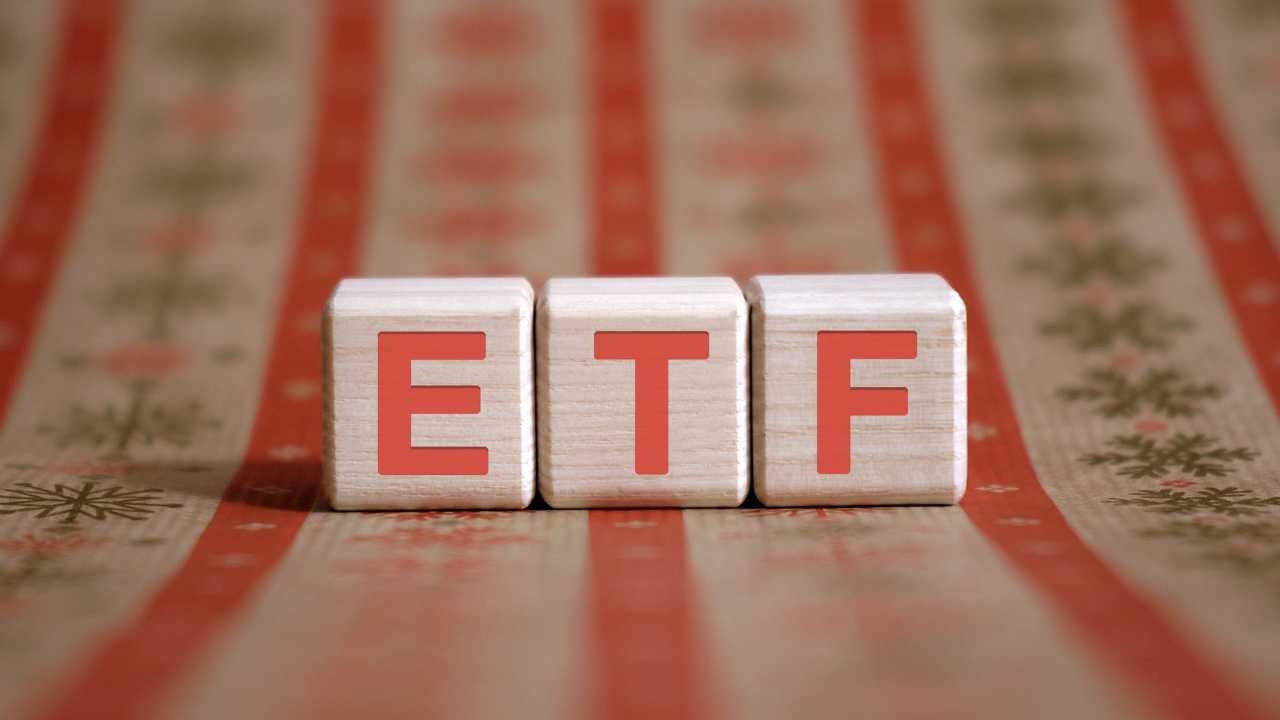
(429, 394)
(642, 392)
(859, 389)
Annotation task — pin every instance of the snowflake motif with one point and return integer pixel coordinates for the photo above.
(153, 296)
(120, 427)
(1052, 141)
(1195, 454)
(1043, 549)
(288, 453)
(301, 389)
(1018, 521)
(1261, 294)
(219, 43)
(997, 488)
(1229, 501)
(71, 503)
(308, 323)
(48, 546)
(982, 431)
(1057, 197)
(1165, 390)
(1150, 426)
(256, 526)
(1248, 545)
(1030, 78)
(232, 561)
(1233, 228)
(635, 524)
(1090, 328)
(1070, 265)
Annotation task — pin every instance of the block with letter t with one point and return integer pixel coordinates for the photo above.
(642, 392)
(429, 394)
(858, 389)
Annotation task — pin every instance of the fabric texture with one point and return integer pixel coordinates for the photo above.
(183, 182)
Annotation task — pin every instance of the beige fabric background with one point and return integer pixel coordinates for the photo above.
(182, 182)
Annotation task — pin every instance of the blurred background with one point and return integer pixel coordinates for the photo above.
(182, 182)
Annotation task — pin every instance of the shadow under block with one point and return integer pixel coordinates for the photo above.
(858, 389)
(642, 392)
(429, 394)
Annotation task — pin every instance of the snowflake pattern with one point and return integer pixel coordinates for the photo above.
(1055, 200)
(156, 296)
(1068, 264)
(1229, 501)
(89, 500)
(1252, 546)
(219, 42)
(1140, 324)
(1197, 454)
(1166, 391)
(117, 428)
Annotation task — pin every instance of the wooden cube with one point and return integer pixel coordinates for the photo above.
(429, 394)
(859, 394)
(642, 392)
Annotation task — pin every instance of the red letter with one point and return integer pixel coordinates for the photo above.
(651, 351)
(837, 402)
(399, 399)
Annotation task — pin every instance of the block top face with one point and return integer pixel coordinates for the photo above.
(871, 294)
(642, 297)
(437, 297)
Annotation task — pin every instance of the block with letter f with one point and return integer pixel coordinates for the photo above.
(859, 389)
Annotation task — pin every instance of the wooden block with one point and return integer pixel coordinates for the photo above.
(429, 394)
(642, 392)
(859, 393)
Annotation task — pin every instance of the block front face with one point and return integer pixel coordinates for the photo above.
(429, 394)
(642, 392)
(859, 389)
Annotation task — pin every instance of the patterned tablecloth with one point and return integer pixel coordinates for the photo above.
(183, 182)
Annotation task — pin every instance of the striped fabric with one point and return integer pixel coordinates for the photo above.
(182, 183)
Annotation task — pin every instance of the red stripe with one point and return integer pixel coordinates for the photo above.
(1130, 632)
(48, 204)
(645, 657)
(623, 185)
(133, 670)
(1226, 212)
(645, 660)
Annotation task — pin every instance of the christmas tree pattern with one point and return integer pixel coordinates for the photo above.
(1139, 456)
(1142, 325)
(1165, 391)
